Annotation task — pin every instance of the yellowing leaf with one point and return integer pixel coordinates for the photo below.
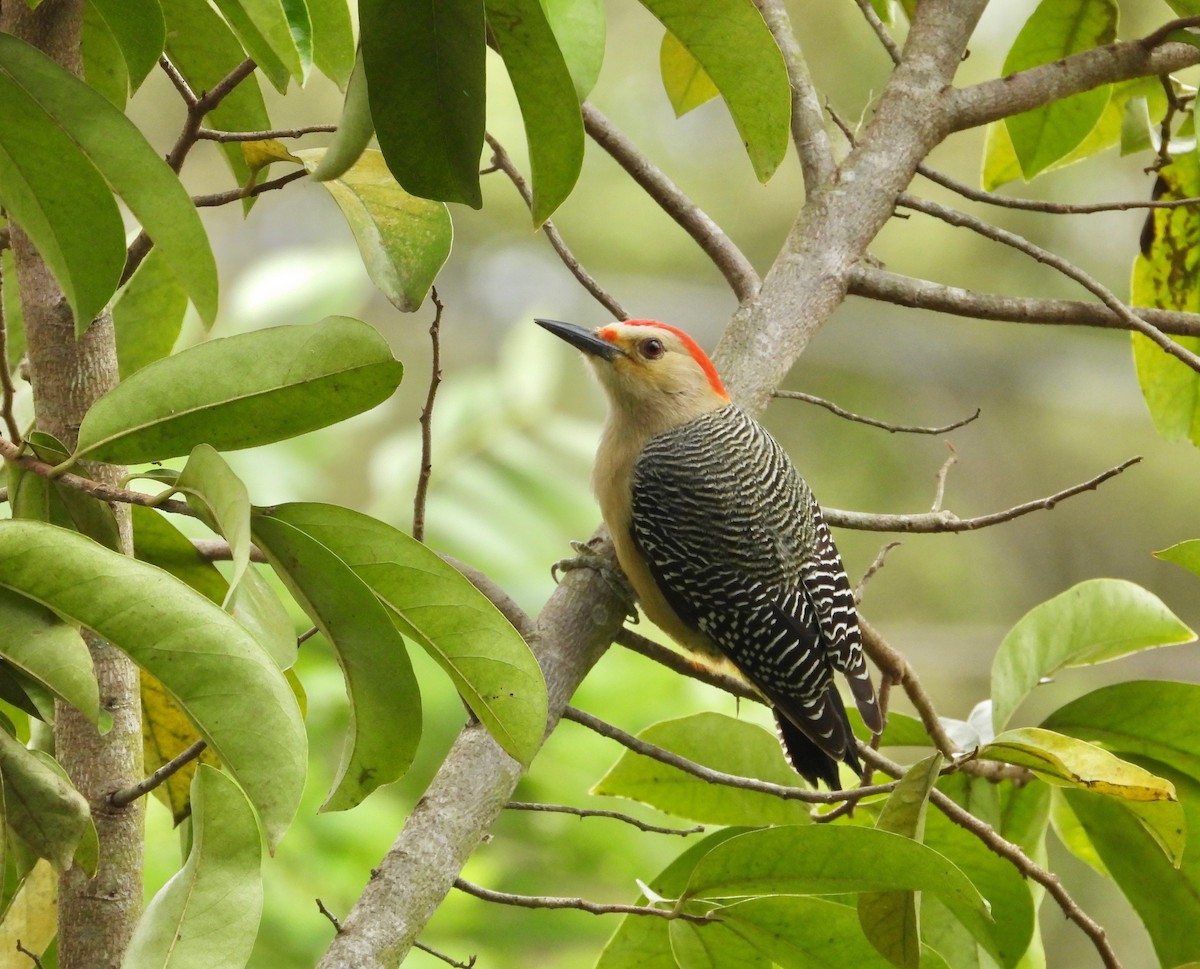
(167, 733)
(687, 83)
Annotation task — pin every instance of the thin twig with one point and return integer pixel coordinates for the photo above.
(1039, 205)
(246, 191)
(218, 550)
(333, 919)
(595, 813)
(426, 419)
(871, 421)
(181, 85)
(1156, 37)
(212, 134)
(469, 964)
(127, 795)
(685, 666)
(893, 288)
(503, 163)
(1016, 856)
(939, 492)
(877, 25)
(709, 236)
(37, 960)
(305, 636)
(945, 521)
(1055, 261)
(781, 791)
(872, 569)
(581, 904)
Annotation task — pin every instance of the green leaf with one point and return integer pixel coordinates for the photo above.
(157, 541)
(800, 931)
(889, 919)
(425, 74)
(127, 161)
(546, 95)
(715, 741)
(242, 391)
(221, 500)
(1072, 834)
(332, 39)
(277, 34)
(385, 701)
(686, 83)
(1076, 763)
(1056, 29)
(103, 63)
(202, 46)
(40, 804)
(735, 48)
(40, 645)
(208, 914)
(43, 499)
(644, 943)
(1092, 622)
(354, 130)
(404, 240)
(1163, 896)
(55, 194)
(1164, 276)
(10, 305)
(1186, 554)
(256, 606)
(579, 28)
(434, 605)
(148, 314)
(139, 30)
(251, 722)
(815, 859)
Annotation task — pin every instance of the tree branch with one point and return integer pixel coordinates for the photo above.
(223, 137)
(580, 904)
(877, 25)
(127, 795)
(888, 287)
(1055, 261)
(871, 421)
(709, 236)
(944, 521)
(1003, 97)
(246, 191)
(594, 813)
(503, 163)
(426, 419)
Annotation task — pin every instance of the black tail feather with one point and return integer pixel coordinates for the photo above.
(809, 759)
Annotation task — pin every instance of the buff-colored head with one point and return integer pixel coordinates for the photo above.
(651, 372)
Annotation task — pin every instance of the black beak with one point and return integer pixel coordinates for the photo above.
(582, 339)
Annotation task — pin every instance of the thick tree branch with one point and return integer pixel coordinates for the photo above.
(888, 287)
(1003, 97)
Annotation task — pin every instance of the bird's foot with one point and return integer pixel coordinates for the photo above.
(588, 556)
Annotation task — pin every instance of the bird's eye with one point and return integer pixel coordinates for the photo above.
(651, 348)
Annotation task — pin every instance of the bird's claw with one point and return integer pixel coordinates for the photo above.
(588, 556)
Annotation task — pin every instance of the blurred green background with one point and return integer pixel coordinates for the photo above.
(516, 424)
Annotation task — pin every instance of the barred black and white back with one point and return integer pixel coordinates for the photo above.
(739, 549)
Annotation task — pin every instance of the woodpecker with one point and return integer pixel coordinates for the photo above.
(721, 539)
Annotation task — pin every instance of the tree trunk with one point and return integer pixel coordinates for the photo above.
(95, 916)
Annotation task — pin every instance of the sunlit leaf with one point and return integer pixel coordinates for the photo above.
(208, 914)
(242, 391)
(546, 95)
(579, 27)
(1077, 764)
(1056, 29)
(1095, 621)
(1165, 275)
(41, 805)
(435, 606)
(889, 919)
(686, 83)
(715, 741)
(425, 73)
(385, 701)
(183, 639)
(127, 161)
(735, 48)
(403, 240)
(37, 642)
(1186, 554)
